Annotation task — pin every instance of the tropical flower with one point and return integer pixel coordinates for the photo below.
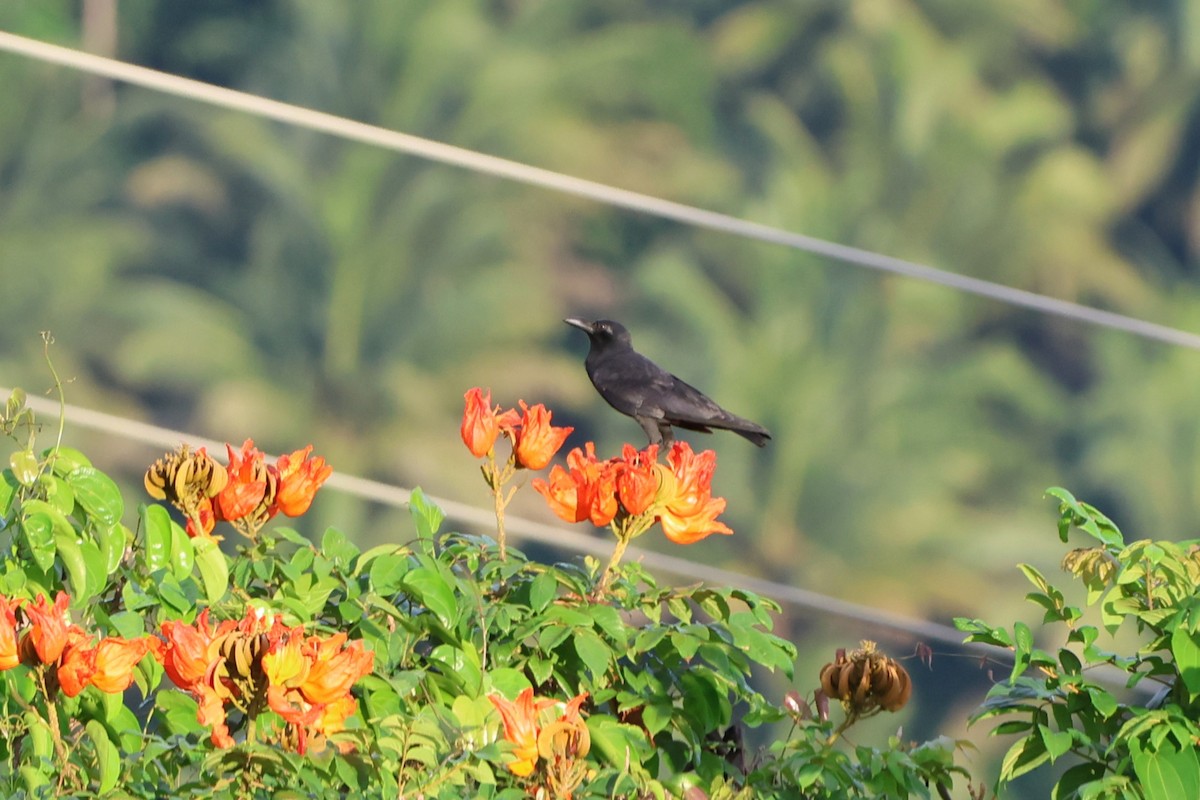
(523, 726)
(75, 665)
(299, 479)
(49, 626)
(586, 490)
(251, 490)
(334, 667)
(536, 441)
(113, 660)
(10, 654)
(309, 680)
(481, 423)
(689, 511)
(186, 655)
(638, 478)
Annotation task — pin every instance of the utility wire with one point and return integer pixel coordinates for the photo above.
(526, 529)
(592, 190)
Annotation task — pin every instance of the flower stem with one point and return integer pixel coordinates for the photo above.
(494, 481)
(52, 717)
(623, 541)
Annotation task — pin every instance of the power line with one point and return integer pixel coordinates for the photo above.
(527, 529)
(592, 190)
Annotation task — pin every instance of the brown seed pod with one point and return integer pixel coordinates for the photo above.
(184, 477)
(865, 681)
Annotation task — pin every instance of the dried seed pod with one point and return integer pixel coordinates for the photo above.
(865, 681)
(184, 477)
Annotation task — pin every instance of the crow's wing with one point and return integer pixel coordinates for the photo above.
(635, 385)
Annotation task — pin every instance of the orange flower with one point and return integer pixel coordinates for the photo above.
(587, 490)
(521, 728)
(249, 482)
(114, 659)
(637, 478)
(537, 440)
(48, 626)
(10, 654)
(211, 714)
(335, 668)
(285, 663)
(334, 715)
(185, 656)
(481, 422)
(299, 479)
(522, 725)
(76, 664)
(689, 510)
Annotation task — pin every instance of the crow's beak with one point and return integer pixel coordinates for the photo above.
(586, 327)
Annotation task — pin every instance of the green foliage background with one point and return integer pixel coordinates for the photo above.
(208, 271)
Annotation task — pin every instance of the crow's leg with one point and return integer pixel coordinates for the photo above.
(667, 434)
(653, 429)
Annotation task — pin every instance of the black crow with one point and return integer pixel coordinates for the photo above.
(639, 388)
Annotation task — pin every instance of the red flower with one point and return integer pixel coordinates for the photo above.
(638, 478)
(299, 479)
(537, 440)
(481, 423)
(689, 510)
(587, 490)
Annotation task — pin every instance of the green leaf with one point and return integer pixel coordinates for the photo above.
(1185, 646)
(182, 552)
(37, 529)
(15, 403)
(507, 681)
(617, 743)
(1074, 778)
(1057, 742)
(108, 758)
(66, 460)
(97, 494)
(1026, 754)
(112, 540)
(541, 591)
(337, 548)
(213, 568)
(179, 710)
(431, 590)
(8, 491)
(24, 466)
(156, 532)
(387, 573)
(427, 516)
(58, 493)
(1167, 774)
(593, 652)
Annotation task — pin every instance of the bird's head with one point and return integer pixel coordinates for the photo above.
(602, 331)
